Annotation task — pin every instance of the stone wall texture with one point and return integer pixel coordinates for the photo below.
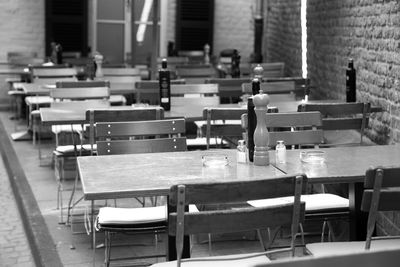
(367, 31)
(282, 34)
(21, 27)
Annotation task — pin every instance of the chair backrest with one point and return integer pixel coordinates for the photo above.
(80, 93)
(23, 58)
(120, 72)
(227, 220)
(296, 87)
(195, 73)
(80, 84)
(148, 91)
(381, 193)
(230, 89)
(272, 69)
(172, 128)
(229, 122)
(341, 116)
(94, 116)
(302, 128)
(197, 89)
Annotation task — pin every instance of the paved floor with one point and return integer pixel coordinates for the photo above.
(14, 246)
(72, 249)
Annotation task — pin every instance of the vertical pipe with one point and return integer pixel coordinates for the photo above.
(258, 31)
(154, 49)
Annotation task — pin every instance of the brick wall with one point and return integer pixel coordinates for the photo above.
(282, 34)
(367, 31)
(233, 27)
(21, 27)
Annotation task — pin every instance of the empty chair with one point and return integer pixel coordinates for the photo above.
(149, 91)
(304, 129)
(381, 193)
(230, 89)
(282, 89)
(97, 115)
(272, 69)
(181, 222)
(166, 138)
(343, 123)
(193, 73)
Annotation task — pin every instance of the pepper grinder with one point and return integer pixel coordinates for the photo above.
(261, 135)
(98, 59)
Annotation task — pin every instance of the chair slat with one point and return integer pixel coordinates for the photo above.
(121, 72)
(239, 191)
(80, 93)
(156, 127)
(180, 89)
(299, 119)
(79, 84)
(128, 114)
(54, 72)
(141, 146)
(336, 109)
(306, 137)
(223, 222)
(392, 175)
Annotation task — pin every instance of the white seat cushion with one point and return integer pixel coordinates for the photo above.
(238, 260)
(56, 129)
(339, 248)
(201, 141)
(38, 100)
(117, 99)
(130, 216)
(70, 148)
(314, 202)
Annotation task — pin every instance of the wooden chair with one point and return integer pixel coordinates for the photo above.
(181, 222)
(99, 115)
(304, 129)
(343, 123)
(282, 89)
(272, 69)
(381, 193)
(195, 73)
(148, 91)
(136, 220)
(230, 89)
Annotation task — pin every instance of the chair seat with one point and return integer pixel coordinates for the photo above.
(38, 100)
(339, 248)
(110, 216)
(70, 149)
(57, 129)
(201, 141)
(314, 202)
(239, 260)
(334, 138)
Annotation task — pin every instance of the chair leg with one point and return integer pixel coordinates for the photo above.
(323, 231)
(107, 249)
(209, 244)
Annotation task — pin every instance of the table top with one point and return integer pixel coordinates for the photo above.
(133, 175)
(342, 164)
(152, 174)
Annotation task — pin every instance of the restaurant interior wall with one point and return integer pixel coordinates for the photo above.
(282, 34)
(21, 27)
(368, 32)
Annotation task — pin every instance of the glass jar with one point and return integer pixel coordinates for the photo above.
(241, 152)
(280, 152)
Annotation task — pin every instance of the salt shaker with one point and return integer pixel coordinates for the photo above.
(241, 152)
(280, 152)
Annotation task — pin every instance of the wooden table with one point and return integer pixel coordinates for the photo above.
(152, 174)
(158, 171)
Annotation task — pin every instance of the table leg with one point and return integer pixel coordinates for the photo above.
(358, 218)
(171, 247)
(92, 226)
